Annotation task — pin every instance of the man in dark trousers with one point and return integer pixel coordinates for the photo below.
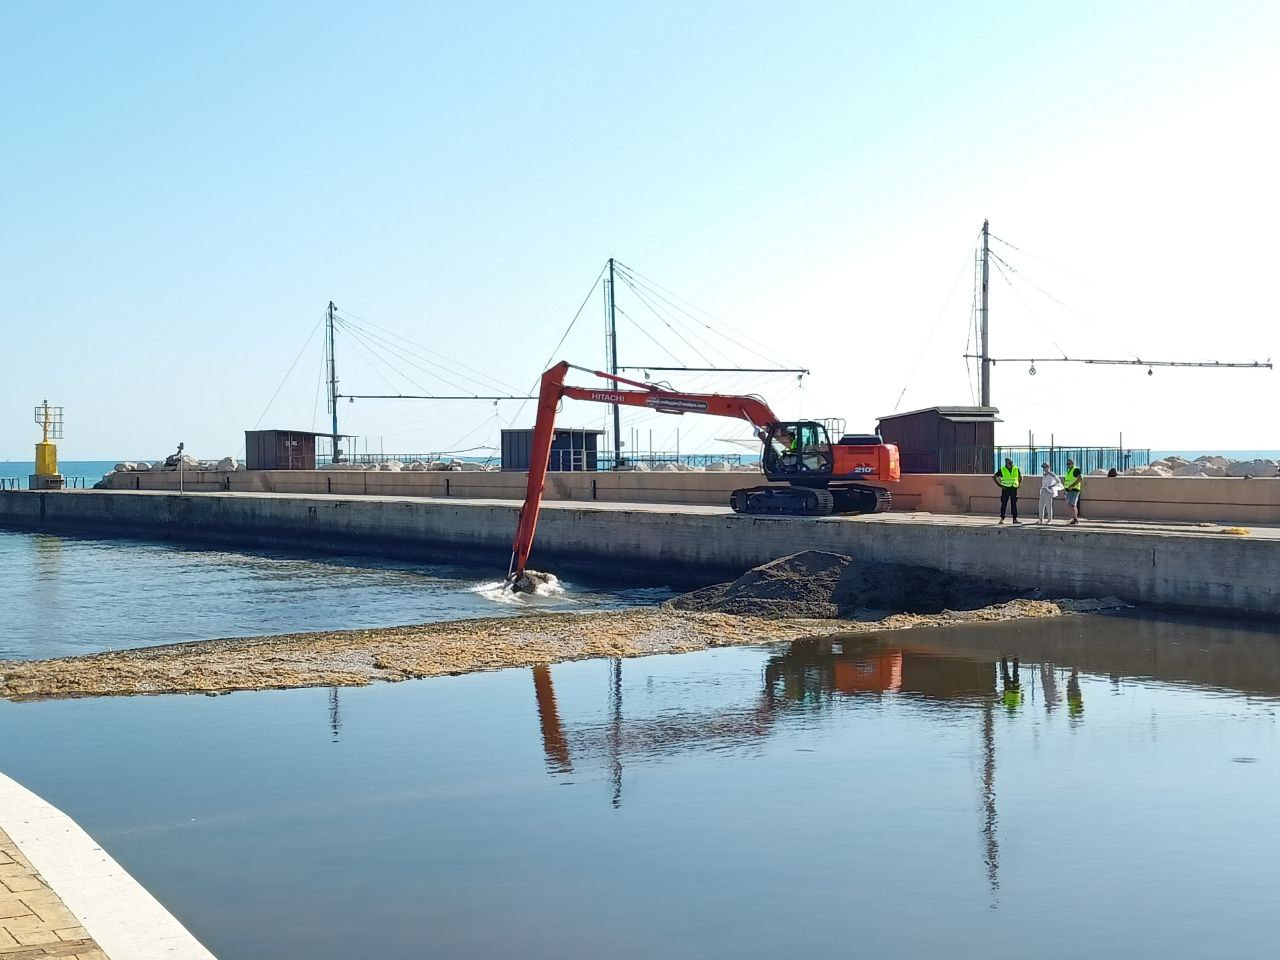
(1008, 478)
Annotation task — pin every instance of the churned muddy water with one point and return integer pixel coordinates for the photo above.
(1109, 790)
(61, 596)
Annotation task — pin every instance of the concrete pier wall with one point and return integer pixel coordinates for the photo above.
(1185, 500)
(1173, 567)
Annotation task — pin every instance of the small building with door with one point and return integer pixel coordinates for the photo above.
(572, 448)
(943, 439)
(280, 449)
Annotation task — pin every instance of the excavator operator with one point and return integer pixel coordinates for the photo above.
(787, 448)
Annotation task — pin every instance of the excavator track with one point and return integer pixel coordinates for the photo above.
(810, 501)
(861, 498)
(782, 501)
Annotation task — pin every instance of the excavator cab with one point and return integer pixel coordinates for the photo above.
(798, 450)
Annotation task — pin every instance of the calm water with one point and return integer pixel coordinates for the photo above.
(1115, 796)
(61, 595)
(91, 471)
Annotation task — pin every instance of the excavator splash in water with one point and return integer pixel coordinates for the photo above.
(814, 475)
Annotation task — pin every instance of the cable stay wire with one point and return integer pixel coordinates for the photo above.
(560, 343)
(569, 329)
(736, 336)
(488, 380)
(375, 363)
(485, 382)
(315, 406)
(382, 345)
(648, 301)
(363, 337)
(701, 356)
(1027, 253)
(402, 355)
(933, 330)
(999, 260)
(969, 347)
(652, 339)
(1137, 359)
(1030, 312)
(736, 341)
(305, 344)
(1039, 289)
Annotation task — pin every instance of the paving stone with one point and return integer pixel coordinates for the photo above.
(23, 883)
(11, 905)
(34, 922)
(51, 911)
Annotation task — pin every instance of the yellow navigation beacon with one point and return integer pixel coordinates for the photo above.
(46, 476)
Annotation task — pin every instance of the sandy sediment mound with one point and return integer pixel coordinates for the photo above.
(357, 657)
(831, 585)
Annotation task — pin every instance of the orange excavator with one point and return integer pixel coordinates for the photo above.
(821, 476)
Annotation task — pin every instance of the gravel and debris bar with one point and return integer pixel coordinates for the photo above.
(358, 657)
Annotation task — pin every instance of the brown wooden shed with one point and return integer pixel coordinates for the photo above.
(280, 449)
(943, 439)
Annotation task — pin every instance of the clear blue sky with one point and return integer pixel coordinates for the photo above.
(187, 186)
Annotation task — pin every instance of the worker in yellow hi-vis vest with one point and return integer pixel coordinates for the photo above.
(1008, 478)
(1073, 483)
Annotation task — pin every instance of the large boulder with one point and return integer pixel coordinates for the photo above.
(718, 466)
(1156, 469)
(1213, 460)
(391, 466)
(227, 465)
(124, 466)
(1252, 468)
(143, 465)
(1199, 469)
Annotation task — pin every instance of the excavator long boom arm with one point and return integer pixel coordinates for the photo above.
(553, 389)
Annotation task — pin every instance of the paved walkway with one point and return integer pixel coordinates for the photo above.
(64, 896)
(34, 922)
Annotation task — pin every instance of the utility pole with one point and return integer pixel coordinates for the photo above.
(333, 375)
(985, 376)
(613, 368)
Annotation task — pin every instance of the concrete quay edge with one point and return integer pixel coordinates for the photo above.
(126, 921)
(1151, 499)
(1186, 567)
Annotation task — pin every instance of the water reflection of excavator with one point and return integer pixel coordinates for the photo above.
(822, 476)
(810, 675)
